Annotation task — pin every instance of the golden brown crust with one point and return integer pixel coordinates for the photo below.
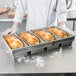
(3, 10)
(29, 38)
(11, 14)
(45, 35)
(14, 42)
(58, 32)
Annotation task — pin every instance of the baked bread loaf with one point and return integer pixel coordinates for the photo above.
(13, 42)
(58, 32)
(45, 35)
(3, 10)
(29, 38)
(11, 14)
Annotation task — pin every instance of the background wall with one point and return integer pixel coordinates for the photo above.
(5, 2)
(8, 2)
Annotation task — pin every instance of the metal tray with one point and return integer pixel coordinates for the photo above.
(32, 49)
(50, 42)
(42, 38)
(42, 45)
(18, 33)
(62, 41)
(18, 51)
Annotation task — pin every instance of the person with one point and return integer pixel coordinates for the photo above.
(41, 14)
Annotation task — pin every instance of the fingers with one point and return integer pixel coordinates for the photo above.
(69, 31)
(14, 31)
(63, 27)
(8, 31)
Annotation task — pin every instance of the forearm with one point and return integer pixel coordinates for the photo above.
(20, 11)
(61, 11)
(18, 16)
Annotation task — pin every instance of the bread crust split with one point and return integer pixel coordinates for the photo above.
(30, 38)
(58, 32)
(45, 35)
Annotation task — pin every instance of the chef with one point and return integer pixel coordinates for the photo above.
(41, 13)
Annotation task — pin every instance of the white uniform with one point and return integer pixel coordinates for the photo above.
(41, 13)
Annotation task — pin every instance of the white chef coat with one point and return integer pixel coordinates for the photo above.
(41, 13)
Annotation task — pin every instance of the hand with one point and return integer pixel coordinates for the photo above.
(63, 27)
(11, 30)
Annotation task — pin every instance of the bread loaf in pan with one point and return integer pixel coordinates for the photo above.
(13, 41)
(45, 35)
(58, 32)
(30, 38)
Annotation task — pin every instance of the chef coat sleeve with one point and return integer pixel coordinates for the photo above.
(61, 11)
(21, 7)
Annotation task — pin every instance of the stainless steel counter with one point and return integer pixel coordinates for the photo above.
(50, 62)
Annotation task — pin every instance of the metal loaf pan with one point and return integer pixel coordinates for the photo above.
(34, 48)
(49, 44)
(16, 52)
(40, 47)
(62, 41)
